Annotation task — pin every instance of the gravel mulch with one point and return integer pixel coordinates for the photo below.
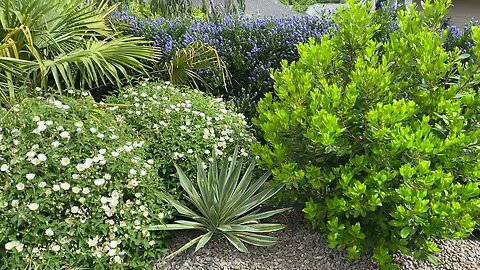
(301, 248)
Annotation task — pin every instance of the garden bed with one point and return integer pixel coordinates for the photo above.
(300, 248)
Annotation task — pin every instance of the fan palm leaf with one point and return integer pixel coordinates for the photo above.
(66, 43)
(183, 68)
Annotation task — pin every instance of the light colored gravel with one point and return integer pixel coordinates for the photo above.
(301, 248)
(298, 248)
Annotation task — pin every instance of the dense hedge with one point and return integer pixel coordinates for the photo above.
(249, 46)
(380, 139)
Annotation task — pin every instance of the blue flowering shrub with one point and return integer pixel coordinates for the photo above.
(379, 139)
(250, 47)
(460, 38)
(179, 123)
(76, 189)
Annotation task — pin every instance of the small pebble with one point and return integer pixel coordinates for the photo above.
(301, 248)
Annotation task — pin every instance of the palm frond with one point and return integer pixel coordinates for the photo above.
(196, 56)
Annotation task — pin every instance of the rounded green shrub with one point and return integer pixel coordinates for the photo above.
(379, 138)
(76, 189)
(179, 123)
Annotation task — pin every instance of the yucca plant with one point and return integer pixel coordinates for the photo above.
(224, 203)
(65, 44)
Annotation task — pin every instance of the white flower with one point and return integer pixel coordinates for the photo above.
(207, 151)
(49, 232)
(10, 245)
(92, 242)
(36, 119)
(36, 161)
(65, 161)
(74, 209)
(151, 243)
(15, 203)
(93, 130)
(42, 157)
(56, 187)
(65, 186)
(55, 248)
(79, 124)
(20, 186)
(14, 244)
(30, 154)
(49, 123)
(65, 135)
(133, 171)
(75, 176)
(99, 182)
(76, 190)
(107, 176)
(100, 135)
(33, 206)
(30, 176)
(132, 183)
(56, 144)
(161, 215)
(111, 252)
(80, 167)
(4, 168)
(113, 244)
(114, 154)
(85, 190)
(19, 247)
(42, 184)
(88, 162)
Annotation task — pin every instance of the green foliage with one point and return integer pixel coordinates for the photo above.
(224, 202)
(302, 5)
(178, 123)
(64, 44)
(178, 8)
(197, 56)
(380, 138)
(76, 189)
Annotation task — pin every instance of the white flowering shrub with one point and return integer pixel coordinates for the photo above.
(178, 123)
(76, 189)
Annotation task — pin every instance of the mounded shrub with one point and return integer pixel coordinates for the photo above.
(379, 138)
(76, 189)
(179, 123)
(250, 47)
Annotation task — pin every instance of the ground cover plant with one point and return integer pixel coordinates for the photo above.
(179, 123)
(380, 138)
(76, 189)
(250, 47)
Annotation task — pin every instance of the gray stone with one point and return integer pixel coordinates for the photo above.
(319, 9)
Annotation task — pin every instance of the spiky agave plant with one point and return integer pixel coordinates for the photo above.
(224, 203)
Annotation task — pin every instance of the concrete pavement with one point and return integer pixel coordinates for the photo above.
(268, 8)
